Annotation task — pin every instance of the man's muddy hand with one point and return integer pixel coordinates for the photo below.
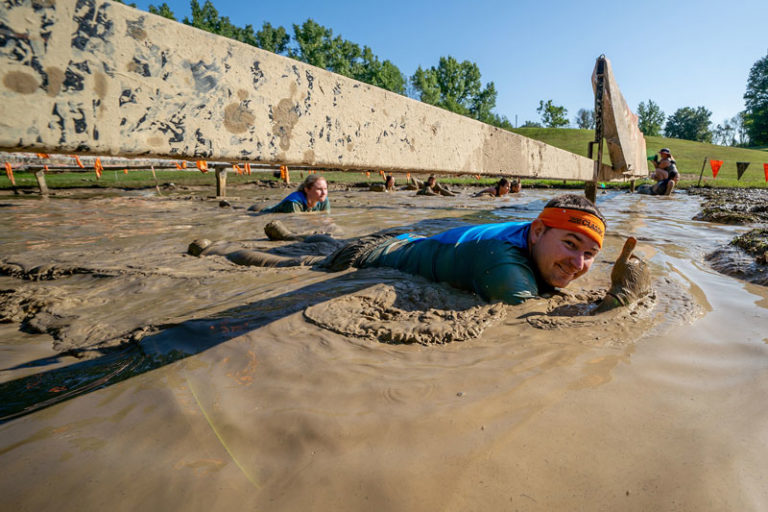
(630, 279)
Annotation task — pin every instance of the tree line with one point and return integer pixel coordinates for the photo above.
(457, 86)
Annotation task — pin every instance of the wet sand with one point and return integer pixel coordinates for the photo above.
(200, 384)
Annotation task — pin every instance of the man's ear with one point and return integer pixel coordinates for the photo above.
(537, 229)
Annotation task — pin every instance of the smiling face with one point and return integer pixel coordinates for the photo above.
(317, 193)
(561, 255)
(504, 189)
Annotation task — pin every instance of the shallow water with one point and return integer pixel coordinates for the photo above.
(238, 401)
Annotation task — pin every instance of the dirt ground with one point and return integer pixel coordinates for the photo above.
(195, 383)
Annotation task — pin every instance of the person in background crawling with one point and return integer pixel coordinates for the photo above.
(311, 196)
(433, 188)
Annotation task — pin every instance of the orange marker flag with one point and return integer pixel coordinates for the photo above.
(408, 177)
(367, 174)
(9, 173)
(79, 163)
(46, 168)
(715, 164)
(178, 165)
(247, 168)
(237, 169)
(98, 167)
(202, 165)
(125, 171)
(43, 155)
(765, 169)
(183, 164)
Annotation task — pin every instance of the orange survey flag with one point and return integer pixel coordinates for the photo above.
(178, 165)
(79, 163)
(247, 168)
(125, 171)
(46, 168)
(43, 155)
(9, 173)
(98, 167)
(368, 174)
(765, 169)
(715, 164)
(408, 177)
(237, 169)
(202, 165)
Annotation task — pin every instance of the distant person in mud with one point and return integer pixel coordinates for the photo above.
(387, 186)
(502, 188)
(665, 174)
(433, 188)
(311, 196)
(509, 262)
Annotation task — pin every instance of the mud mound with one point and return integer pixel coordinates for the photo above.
(404, 312)
(733, 206)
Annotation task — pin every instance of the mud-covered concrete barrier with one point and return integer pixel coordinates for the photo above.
(94, 77)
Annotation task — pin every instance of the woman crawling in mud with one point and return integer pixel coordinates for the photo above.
(502, 188)
(311, 196)
(508, 262)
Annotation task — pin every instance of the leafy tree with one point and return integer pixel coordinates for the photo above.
(552, 116)
(650, 118)
(164, 10)
(723, 134)
(689, 124)
(585, 119)
(273, 39)
(207, 18)
(756, 101)
(741, 137)
(313, 42)
(455, 86)
(531, 124)
(381, 74)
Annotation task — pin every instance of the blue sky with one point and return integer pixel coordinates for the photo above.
(685, 53)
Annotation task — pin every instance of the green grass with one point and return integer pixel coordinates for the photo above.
(688, 154)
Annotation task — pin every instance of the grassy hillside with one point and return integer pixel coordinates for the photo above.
(688, 154)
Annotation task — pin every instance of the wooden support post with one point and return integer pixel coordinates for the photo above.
(221, 182)
(590, 190)
(703, 165)
(40, 177)
(632, 186)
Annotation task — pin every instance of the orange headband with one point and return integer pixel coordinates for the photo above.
(574, 220)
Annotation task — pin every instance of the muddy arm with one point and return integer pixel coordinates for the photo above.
(630, 279)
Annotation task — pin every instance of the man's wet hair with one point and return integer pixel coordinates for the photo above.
(575, 202)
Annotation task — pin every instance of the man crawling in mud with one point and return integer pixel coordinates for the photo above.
(508, 262)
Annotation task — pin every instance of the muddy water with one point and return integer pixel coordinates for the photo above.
(233, 398)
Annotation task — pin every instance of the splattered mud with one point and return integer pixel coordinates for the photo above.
(746, 255)
(201, 384)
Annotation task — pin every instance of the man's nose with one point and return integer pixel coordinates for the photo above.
(577, 261)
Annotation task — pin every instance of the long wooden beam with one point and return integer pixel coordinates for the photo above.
(95, 77)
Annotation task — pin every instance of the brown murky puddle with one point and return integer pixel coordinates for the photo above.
(245, 391)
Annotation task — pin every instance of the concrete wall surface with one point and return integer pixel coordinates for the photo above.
(95, 77)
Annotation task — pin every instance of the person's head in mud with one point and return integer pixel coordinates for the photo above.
(502, 187)
(315, 188)
(389, 183)
(515, 187)
(565, 239)
(431, 181)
